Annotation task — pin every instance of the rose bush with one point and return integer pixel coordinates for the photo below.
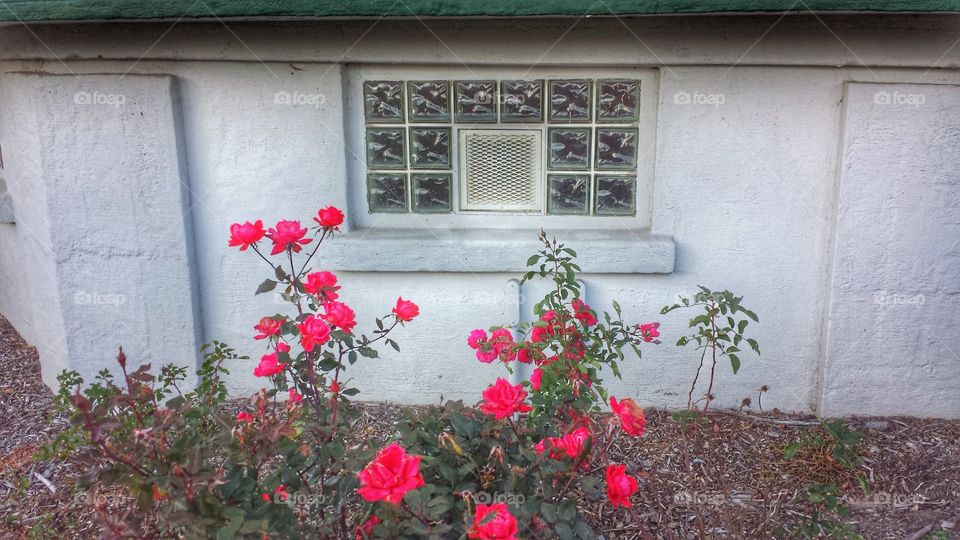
(514, 467)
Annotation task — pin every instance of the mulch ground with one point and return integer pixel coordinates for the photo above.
(728, 480)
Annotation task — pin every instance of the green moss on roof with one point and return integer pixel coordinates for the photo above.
(60, 10)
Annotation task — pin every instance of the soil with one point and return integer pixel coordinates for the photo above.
(726, 479)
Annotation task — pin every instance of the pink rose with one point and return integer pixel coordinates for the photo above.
(390, 475)
(487, 356)
(631, 416)
(288, 234)
(570, 445)
(650, 331)
(313, 331)
(321, 284)
(245, 417)
(500, 526)
(267, 327)
(620, 486)
(476, 338)
(583, 313)
(329, 217)
(295, 396)
(405, 310)
(269, 366)
(535, 379)
(503, 399)
(339, 315)
(245, 235)
(283, 347)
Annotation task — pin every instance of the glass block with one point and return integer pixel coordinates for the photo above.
(387, 192)
(618, 100)
(385, 148)
(570, 101)
(616, 195)
(383, 101)
(616, 148)
(521, 101)
(430, 148)
(570, 148)
(432, 193)
(429, 101)
(567, 193)
(476, 101)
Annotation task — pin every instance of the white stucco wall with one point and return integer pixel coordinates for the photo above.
(747, 190)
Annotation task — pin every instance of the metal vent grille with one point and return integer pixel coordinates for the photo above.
(500, 170)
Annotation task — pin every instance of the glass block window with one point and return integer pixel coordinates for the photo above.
(561, 146)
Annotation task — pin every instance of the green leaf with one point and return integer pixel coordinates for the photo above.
(549, 512)
(267, 286)
(568, 510)
(584, 532)
(734, 363)
(791, 450)
(533, 260)
(564, 531)
(753, 345)
(369, 353)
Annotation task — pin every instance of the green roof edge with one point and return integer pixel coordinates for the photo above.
(84, 10)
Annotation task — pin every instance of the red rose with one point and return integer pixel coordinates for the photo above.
(583, 313)
(329, 217)
(269, 366)
(339, 315)
(476, 338)
(295, 396)
(244, 416)
(535, 379)
(288, 234)
(390, 475)
(501, 526)
(313, 331)
(632, 419)
(366, 530)
(650, 331)
(571, 445)
(405, 310)
(283, 347)
(503, 399)
(245, 235)
(620, 486)
(322, 284)
(267, 327)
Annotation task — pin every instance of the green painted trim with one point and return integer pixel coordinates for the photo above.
(84, 10)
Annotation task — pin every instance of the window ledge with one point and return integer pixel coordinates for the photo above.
(494, 250)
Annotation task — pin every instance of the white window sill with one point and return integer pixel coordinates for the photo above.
(493, 250)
